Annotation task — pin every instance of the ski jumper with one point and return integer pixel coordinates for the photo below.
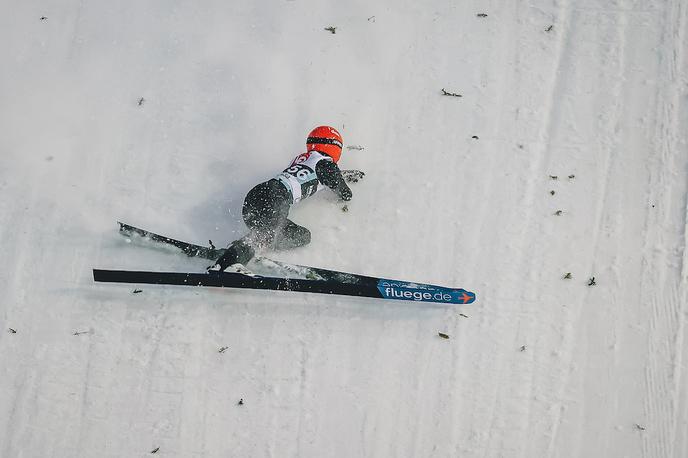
(266, 206)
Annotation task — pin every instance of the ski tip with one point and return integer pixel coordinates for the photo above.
(465, 297)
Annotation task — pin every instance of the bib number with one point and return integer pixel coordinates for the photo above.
(302, 173)
(300, 177)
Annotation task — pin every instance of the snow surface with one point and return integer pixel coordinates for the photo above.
(164, 113)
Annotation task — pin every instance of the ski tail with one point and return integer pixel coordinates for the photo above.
(190, 249)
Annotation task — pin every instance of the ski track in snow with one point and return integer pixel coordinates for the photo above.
(666, 403)
(165, 115)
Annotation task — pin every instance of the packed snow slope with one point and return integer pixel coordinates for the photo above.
(566, 153)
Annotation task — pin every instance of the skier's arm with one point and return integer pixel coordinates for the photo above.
(330, 175)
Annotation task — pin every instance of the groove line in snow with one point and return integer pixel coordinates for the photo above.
(668, 294)
(609, 144)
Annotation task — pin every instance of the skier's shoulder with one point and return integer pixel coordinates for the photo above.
(309, 157)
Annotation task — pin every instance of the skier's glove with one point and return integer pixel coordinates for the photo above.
(345, 194)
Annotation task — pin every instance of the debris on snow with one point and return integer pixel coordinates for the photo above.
(223, 349)
(142, 101)
(371, 19)
(155, 450)
(11, 331)
(571, 177)
(592, 282)
(553, 177)
(640, 427)
(552, 192)
(558, 212)
(450, 94)
(475, 137)
(137, 291)
(443, 335)
(549, 29)
(43, 18)
(523, 348)
(356, 147)
(568, 276)
(463, 315)
(331, 29)
(345, 208)
(352, 176)
(481, 15)
(78, 333)
(241, 402)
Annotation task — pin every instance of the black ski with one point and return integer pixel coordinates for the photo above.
(212, 253)
(234, 280)
(382, 289)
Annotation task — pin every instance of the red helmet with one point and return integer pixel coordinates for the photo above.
(325, 139)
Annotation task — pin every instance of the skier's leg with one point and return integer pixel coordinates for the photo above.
(265, 211)
(257, 211)
(291, 236)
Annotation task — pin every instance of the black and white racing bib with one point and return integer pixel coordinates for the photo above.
(300, 177)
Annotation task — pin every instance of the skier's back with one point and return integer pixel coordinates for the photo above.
(266, 207)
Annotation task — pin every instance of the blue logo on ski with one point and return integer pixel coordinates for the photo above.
(419, 292)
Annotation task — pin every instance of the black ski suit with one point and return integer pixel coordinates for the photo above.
(266, 209)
